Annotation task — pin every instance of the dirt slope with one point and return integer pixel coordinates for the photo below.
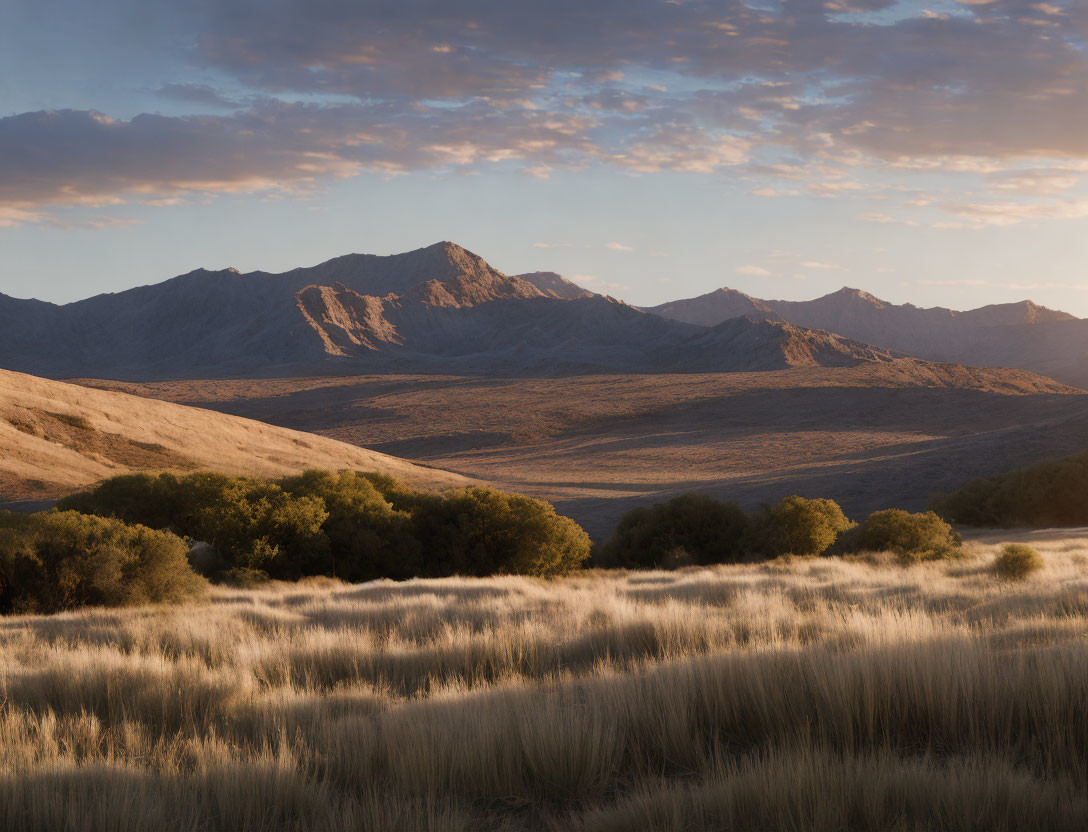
(55, 437)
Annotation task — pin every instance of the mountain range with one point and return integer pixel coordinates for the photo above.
(442, 309)
(437, 309)
(1023, 335)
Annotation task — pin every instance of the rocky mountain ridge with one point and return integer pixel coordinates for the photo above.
(1021, 335)
(437, 309)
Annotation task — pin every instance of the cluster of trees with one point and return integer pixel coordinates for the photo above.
(1050, 493)
(143, 538)
(63, 560)
(698, 529)
(349, 525)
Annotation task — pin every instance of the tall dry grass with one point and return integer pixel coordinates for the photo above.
(808, 694)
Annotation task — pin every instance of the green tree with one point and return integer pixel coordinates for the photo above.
(481, 531)
(66, 560)
(1050, 493)
(367, 537)
(691, 527)
(798, 526)
(922, 536)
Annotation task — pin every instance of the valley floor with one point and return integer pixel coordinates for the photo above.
(871, 437)
(799, 695)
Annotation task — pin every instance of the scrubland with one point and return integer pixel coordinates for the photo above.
(805, 694)
(869, 437)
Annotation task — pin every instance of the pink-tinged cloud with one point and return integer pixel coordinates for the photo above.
(811, 91)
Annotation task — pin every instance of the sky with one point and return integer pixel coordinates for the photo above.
(928, 152)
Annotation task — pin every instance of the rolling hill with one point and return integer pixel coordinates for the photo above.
(872, 435)
(55, 437)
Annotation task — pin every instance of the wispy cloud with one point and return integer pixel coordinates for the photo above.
(754, 271)
(950, 283)
(796, 98)
(618, 247)
(597, 283)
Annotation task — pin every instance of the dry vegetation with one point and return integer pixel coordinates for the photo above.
(56, 437)
(810, 694)
(869, 437)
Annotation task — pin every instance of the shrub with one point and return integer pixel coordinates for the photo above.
(922, 536)
(481, 531)
(65, 560)
(1050, 493)
(1016, 562)
(135, 498)
(798, 526)
(354, 526)
(689, 528)
(251, 524)
(367, 537)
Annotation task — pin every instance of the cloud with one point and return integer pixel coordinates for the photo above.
(951, 282)
(196, 94)
(816, 264)
(983, 214)
(551, 245)
(811, 91)
(13, 215)
(755, 271)
(593, 280)
(85, 157)
(618, 247)
(682, 149)
(1038, 182)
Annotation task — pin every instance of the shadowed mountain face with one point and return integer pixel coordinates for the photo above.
(437, 309)
(1022, 335)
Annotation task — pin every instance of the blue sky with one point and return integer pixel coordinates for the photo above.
(651, 149)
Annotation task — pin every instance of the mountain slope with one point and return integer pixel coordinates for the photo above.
(1022, 335)
(742, 344)
(55, 437)
(223, 322)
(589, 334)
(394, 274)
(717, 306)
(444, 309)
(437, 309)
(556, 286)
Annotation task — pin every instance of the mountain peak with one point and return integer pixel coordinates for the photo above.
(726, 291)
(856, 294)
(715, 307)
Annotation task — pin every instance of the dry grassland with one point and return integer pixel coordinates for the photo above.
(800, 695)
(869, 437)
